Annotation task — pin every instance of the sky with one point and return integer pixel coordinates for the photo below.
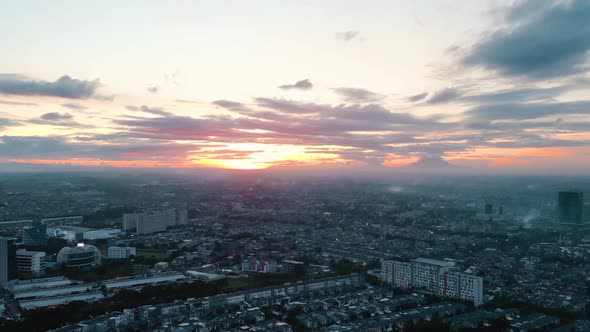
(486, 86)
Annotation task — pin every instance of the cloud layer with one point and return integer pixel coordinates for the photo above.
(540, 39)
(65, 87)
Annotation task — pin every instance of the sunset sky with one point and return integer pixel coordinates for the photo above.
(494, 86)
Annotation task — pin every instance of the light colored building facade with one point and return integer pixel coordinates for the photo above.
(472, 289)
(121, 252)
(426, 272)
(152, 222)
(434, 276)
(254, 265)
(402, 275)
(30, 262)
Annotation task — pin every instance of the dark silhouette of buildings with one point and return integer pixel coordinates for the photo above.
(571, 207)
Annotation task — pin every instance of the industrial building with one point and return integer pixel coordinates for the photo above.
(76, 233)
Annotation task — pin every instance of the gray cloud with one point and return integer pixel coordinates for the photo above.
(17, 103)
(542, 39)
(4, 123)
(55, 116)
(299, 85)
(74, 106)
(444, 96)
(151, 110)
(417, 97)
(65, 87)
(58, 119)
(153, 89)
(228, 104)
(34, 147)
(527, 111)
(349, 35)
(517, 95)
(356, 95)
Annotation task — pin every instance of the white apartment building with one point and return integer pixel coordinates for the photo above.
(449, 285)
(152, 222)
(471, 289)
(387, 271)
(32, 262)
(402, 275)
(426, 273)
(121, 252)
(434, 276)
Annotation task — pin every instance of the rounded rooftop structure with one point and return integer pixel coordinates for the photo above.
(79, 256)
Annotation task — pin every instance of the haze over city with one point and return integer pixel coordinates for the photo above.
(483, 86)
(292, 166)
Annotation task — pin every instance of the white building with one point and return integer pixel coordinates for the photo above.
(30, 262)
(449, 285)
(402, 275)
(471, 288)
(121, 252)
(387, 271)
(101, 234)
(426, 272)
(152, 222)
(434, 276)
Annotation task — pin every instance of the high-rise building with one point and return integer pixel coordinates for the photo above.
(449, 285)
(471, 288)
(434, 276)
(35, 236)
(489, 208)
(402, 275)
(426, 272)
(387, 271)
(30, 262)
(3, 259)
(571, 207)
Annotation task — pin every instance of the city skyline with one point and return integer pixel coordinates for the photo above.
(489, 87)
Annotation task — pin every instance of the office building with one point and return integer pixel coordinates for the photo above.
(35, 236)
(121, 252)
(30, 262)
(571, 207)
(3, 259)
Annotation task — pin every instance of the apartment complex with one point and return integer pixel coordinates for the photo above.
(155, 221)
(434, 276)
